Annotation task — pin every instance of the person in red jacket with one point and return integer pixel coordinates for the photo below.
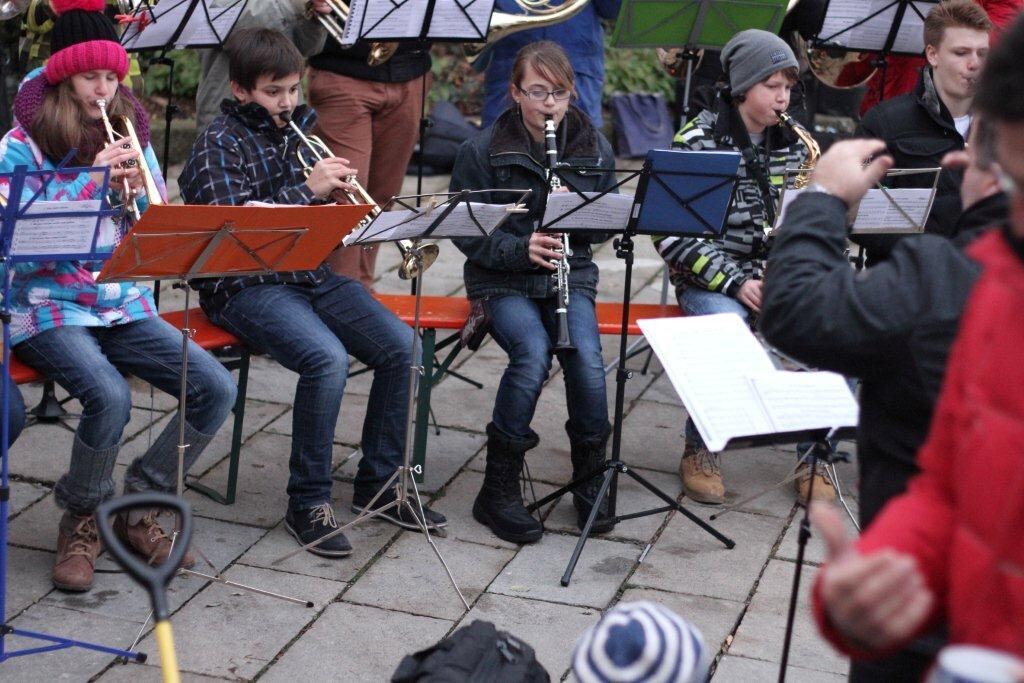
(951, 545)
(902, 71)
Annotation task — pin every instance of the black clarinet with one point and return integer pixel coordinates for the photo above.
(561, 275)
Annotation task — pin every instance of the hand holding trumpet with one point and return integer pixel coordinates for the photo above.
(329, 175)
(117, 156)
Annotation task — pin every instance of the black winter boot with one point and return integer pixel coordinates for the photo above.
(499, 505)
(587, 455)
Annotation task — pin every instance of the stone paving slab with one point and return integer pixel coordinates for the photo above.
(355, 643)
(24, 494)
(686, 559)
(715, 618)
(147, 673)
(28, 579)
(537, 568)
(367, 539)
(760, 636)
(734, 669)
(271, 382)
(231, 633)
(549, 628)
(262, 480)
(408, 577)
(74, 664)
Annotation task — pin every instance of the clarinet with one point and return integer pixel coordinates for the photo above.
(561, 274)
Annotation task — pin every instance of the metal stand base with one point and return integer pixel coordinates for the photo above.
(59, 643)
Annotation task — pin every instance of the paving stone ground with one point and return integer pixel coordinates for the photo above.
(392, 596)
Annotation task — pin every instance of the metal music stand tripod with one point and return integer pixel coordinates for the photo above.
(661, 204)
(10, 253)
(188, 242)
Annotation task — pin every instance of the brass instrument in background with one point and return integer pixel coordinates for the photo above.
(129, 140)
(9, 9)
(803, 179)
(416, 258)
(836, 67)
(334, 24)
(539, 13)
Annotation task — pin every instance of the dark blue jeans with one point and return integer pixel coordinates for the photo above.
(525, 329)
(88, 362)
(15, 412)
(312, 331)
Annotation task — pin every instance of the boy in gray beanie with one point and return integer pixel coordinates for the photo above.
(724, 274)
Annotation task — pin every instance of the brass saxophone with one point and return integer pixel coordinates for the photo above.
(803, 179)
(563, 342)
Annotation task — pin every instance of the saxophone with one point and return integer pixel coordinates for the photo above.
(803, 179)
(561, 275)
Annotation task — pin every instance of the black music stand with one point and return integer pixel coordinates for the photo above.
(679, 193)
(892, 27)
(464, 219)
(57, 248)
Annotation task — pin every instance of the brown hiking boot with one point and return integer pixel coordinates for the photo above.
(701, 472)
(147, 538)
(78, 544)
(823, 489)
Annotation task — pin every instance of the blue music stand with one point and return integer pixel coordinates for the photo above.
(681, 193)
(15, 211)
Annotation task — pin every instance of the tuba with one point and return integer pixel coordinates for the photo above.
(128, 140)
(416, 258)
(538, 14)
(334, 24)
(803, 179)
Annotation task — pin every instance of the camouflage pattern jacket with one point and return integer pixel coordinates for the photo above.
(724, 263)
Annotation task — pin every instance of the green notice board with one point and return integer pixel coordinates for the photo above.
(693, 23)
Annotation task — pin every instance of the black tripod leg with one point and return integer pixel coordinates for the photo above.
(794, 597)
(578, 550)
(561, 491)
(726, 541)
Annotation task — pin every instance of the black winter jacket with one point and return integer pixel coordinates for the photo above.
(891, 325)
(919, 131)
(500, 158)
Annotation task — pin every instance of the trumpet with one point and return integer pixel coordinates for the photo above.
(416, 258)
(334, 24)
(128, 140)
(563, 342)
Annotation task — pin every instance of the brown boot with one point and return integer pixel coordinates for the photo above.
(702, 475)
(823, 489)
(78, 544)
(140, 531)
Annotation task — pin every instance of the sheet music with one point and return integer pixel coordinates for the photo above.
(397, 225)
(609, 213)
(383, 19)
(709, 360)
(797, 401)
(43, 231)
(838, 27)
(877, 212)
(198, 32)
(466, 19)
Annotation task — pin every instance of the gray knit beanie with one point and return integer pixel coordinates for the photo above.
(753, 55)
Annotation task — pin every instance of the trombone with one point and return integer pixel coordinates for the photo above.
(128, 140)
(334, 24)
(416, 258)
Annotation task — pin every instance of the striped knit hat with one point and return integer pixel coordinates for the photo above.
(641, 642)
(83, 39)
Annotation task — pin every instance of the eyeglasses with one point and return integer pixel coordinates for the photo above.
(560, 95)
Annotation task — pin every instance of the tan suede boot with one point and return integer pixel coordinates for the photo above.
(140, 531)
(701, 472)
(823, 489)
(78, 544)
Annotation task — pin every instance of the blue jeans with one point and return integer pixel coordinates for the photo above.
(697, 301)
(525, 329)
(15, 412)
(312, 331)
(88, 362)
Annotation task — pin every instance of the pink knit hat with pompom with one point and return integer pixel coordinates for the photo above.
(83, 38)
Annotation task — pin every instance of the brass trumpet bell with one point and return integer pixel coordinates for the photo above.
(124, 133)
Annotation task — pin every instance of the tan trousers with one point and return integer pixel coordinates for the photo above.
(375, 126)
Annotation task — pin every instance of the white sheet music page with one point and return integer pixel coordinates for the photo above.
(466, 19)
(158, 33)
(878, 212)
(710, 360)
(41, 232)
(383, 20)
(608, 213)
(838, 27)
(797, 401)
(910, 37)
(410, 224)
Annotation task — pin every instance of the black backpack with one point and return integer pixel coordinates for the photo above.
(447, 131)
(475, 653)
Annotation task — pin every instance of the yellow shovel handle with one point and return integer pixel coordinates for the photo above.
(165, 643)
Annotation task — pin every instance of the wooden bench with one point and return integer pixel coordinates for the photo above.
(210, 337)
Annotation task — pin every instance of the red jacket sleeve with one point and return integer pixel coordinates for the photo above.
(1001, 12)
